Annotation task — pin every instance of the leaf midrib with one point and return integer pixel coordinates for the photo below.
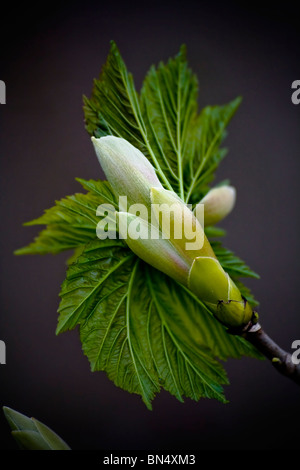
(144, 394)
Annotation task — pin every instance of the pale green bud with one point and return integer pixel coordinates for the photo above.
(128, 171)
(218, 203)
(32, 434)
(167, 234)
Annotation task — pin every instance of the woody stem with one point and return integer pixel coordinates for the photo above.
(281, 360)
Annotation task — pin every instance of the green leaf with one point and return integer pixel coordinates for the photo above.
(101, 190)
(82, 287)
(194, 324)
(211, 130)
(231, 263)
(113, 108)
(72, 222)
(214, 232)
(98, 295)
(144, 329)
(31, 434)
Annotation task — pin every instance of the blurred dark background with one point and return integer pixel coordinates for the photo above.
(48, 59)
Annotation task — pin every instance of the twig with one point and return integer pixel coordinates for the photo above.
(281, 360)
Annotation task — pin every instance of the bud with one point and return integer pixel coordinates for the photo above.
(32, 434)
(209, 281)
(218, 203)
(171, 238)
(128, 171)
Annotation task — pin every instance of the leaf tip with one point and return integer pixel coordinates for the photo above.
(148, 404)
(25, 250)
(59, 329)
(113, 47)
(238, 100)
(183, 51)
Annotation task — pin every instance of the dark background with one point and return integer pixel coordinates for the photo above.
(48, 59)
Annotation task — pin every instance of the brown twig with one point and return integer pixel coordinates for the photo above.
(281, 360)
